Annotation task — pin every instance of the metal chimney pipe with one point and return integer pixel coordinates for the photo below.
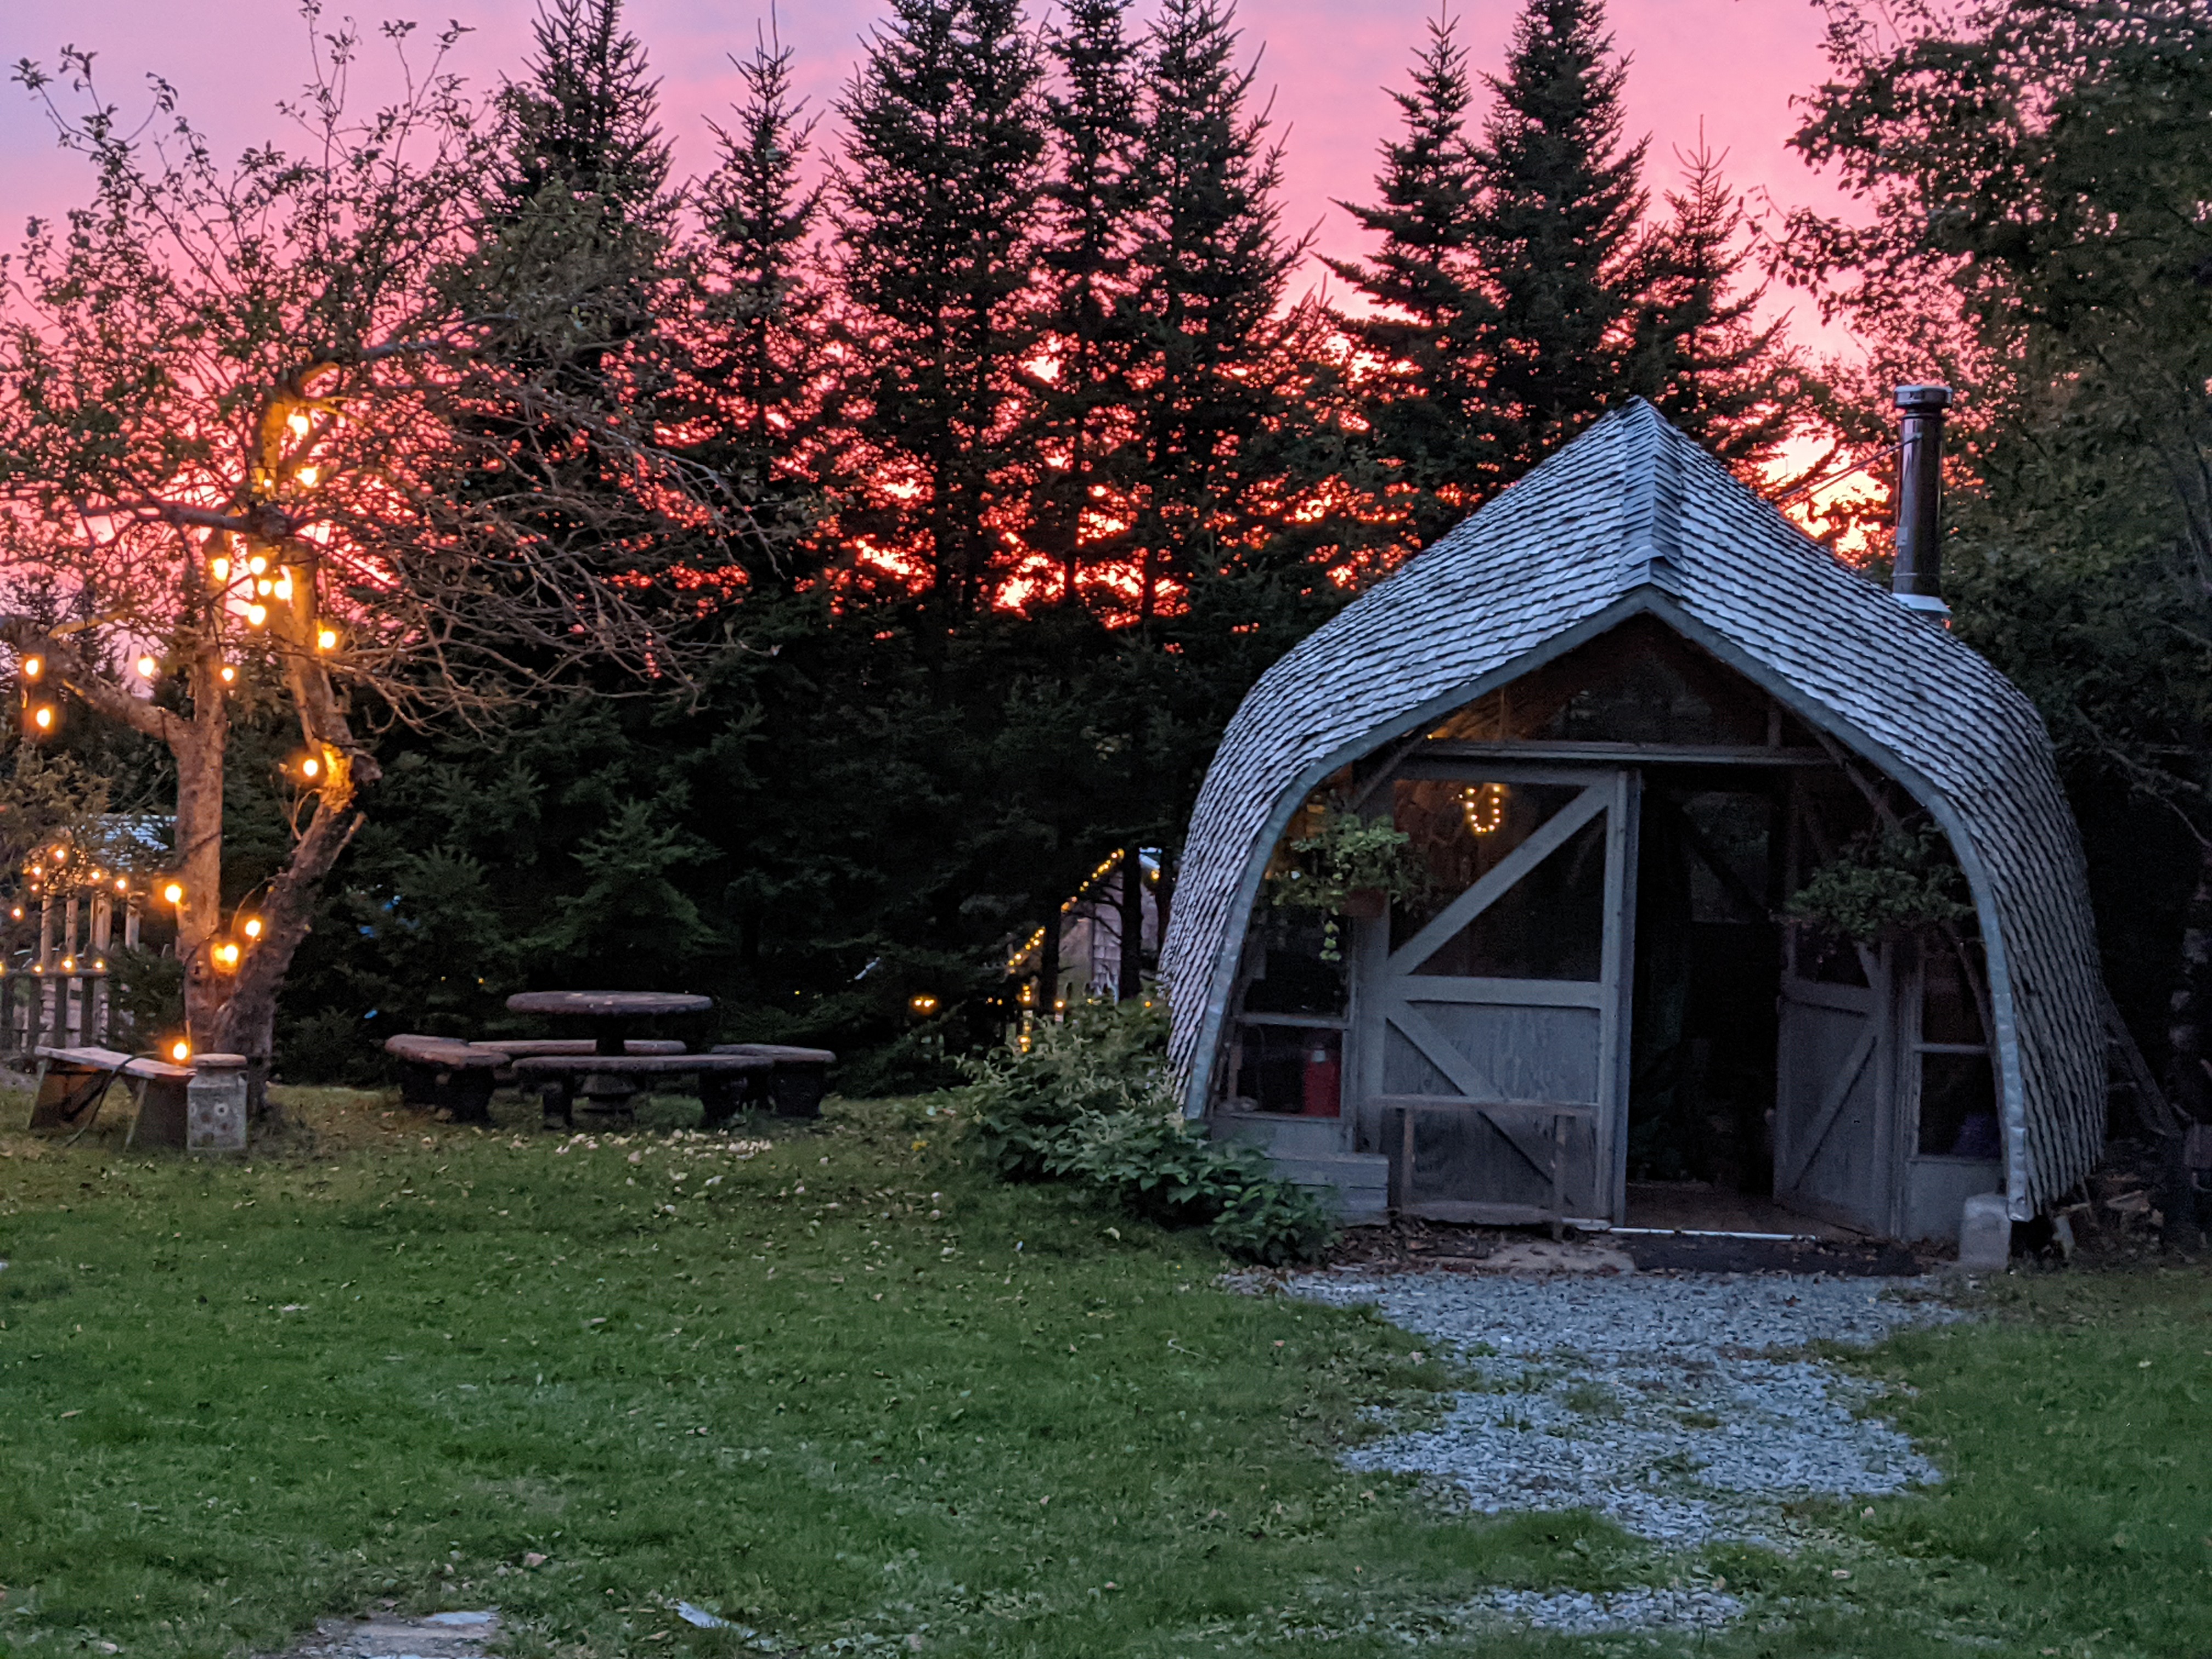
(1918, 581)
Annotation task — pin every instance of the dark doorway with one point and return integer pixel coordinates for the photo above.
(1708, 971)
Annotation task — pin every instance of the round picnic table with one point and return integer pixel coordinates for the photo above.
(613, 1015)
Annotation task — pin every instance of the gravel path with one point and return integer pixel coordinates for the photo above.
(1663, 1403)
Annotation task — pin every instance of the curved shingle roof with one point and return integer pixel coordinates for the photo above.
(1633, 516)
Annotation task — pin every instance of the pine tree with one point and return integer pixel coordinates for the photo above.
(1701, 354)
(936, 207)
(1425, 390)
(577, 221)
(1084, 254)
(1208, 271)
(766, 380)
(1554, 230)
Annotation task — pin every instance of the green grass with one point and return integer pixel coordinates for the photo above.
(841, 1390)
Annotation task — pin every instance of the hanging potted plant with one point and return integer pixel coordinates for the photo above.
(1884, 884)
(1348, 867)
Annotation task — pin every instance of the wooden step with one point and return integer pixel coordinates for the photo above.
(1282, 1136)
(1359, 1181)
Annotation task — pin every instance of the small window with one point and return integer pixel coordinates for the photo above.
(1298, 1071)
(1958, 1107)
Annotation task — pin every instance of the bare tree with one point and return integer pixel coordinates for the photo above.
(261, 435)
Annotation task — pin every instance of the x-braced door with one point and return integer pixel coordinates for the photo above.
(1492, 1012)
(1834, 1101)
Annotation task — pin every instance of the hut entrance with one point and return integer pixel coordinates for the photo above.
(1707, 978)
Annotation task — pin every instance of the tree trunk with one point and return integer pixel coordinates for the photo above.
(1130, 983)
(1047, 1008)
(2189, 1083)
(247, 1023)
(198, 746)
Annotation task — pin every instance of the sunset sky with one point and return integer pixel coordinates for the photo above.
(1734, 64)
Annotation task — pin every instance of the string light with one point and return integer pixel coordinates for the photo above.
(310, 767)
(173, 892)
(283, 589)
(229, 674)
(922, 1003)
(326, 639)
(308, 475)
(43, 718)
(252, 928)
(265, 587)
(226, 955)
(33, 666)
(180, 1051)
(257, 564)
(299, 423)
(256, 614)
(148, 667)
(1483, 806)
(219, 567)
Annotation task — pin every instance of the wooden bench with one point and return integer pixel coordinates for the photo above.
(72, 1083)
(445, 1075)
(523, 1047)
(794, 1088)
(609, 1082)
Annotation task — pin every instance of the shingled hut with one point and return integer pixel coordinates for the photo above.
(1623, 714)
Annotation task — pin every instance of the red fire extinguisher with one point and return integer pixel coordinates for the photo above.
(1323, 1075)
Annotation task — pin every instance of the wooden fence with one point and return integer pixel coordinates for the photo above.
(57, 993)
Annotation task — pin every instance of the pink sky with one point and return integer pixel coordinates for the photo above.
(1734, 64)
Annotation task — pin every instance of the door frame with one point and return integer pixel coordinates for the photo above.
(1612, 995)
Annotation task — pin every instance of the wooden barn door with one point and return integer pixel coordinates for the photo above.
(1834, 1153)
(1492, 1012)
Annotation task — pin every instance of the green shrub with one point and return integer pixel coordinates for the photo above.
(1886, 884)
(1088, 1102)
(1020, 1104)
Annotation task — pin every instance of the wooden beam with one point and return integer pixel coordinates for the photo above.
(1642, 754)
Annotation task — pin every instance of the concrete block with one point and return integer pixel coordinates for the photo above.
(215, 1105)
(1984, 1234)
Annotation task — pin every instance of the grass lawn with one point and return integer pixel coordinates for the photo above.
(821, 1380)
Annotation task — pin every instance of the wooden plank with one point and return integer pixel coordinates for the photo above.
(1507, 872)
(1445, 1055)
(1640, 754)
(1836, 999)
(1832, 1106)
(1504, 993)
(1482, 1215)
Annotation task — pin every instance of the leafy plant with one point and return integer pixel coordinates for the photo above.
(1886, 884)
(1344, 855)
(1088, 1102)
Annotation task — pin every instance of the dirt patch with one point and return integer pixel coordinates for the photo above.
(391, 1636)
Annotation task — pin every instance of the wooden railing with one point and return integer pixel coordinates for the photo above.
(56, 993)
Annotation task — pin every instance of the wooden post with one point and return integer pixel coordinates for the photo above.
(1129, 981)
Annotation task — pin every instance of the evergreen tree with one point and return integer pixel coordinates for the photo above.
(768, 385)
(1426, 387)
(577, 221)
(1701, 354)
(1208, 268)
(937, 214)
(1084, 254)
(1554, 231)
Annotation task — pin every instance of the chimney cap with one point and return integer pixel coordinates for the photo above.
(1923, 399)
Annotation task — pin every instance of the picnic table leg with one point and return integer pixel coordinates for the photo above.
(558, 1097)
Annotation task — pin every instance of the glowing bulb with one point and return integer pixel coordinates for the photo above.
(326, 639)
(256, 614)
(310, 767)
(257, 564)
(17, 913)
(219, 567)
(69, 964)
(122, 884)
(922, 1003)
(43, 718)
(253, 927)
(265, 587)
(308, 475)
(283, 588)
(226, 955)
(180, 1051)
(228, 673)
(33, 666)
(148, 667)
(299, 423)
(61, 855)
(174, 892)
